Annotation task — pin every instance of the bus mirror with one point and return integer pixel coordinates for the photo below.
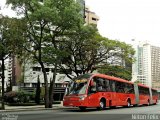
(67, 91)
(92, 83)
(93, 89)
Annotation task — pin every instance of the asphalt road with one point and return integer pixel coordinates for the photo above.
(120, 113)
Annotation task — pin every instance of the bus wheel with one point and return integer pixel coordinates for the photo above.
(82, 108)
(155, 102)
(102, 104)
(128, 103)
(148, 103)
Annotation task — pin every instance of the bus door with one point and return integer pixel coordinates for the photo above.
(113, 100)
(93, 95)
(120, 93)
(97, 91)
(124, 91)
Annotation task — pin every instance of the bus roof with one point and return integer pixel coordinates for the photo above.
(112, 78)
(154, 89)
(139, 84)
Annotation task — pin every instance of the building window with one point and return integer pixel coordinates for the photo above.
(36, 69)
(94, 19)
(34, 84)
(47, 69)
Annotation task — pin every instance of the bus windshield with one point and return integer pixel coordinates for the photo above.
(78, 85)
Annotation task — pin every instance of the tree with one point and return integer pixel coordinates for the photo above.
(38, 91)
(79, 51)
(87, 51)
(138, 82)
(116, 71)
(46, 23)
(5, 47)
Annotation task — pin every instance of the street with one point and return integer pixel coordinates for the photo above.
(120, 113)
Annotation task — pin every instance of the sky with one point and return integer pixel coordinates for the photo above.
(126, 20)
(5, 10)
(123, 20)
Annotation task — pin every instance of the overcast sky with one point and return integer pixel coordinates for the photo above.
(124, 20)
(128, 19)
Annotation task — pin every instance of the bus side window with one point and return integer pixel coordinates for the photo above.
(107, 86)
(112, 85)
(100, 84)
(120, 87)
(129, 88)
(104, 85)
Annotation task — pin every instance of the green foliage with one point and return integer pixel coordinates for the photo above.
(137, 81)
(4, 39)
(6, 48)
(87, 49)
(45, 23)
(9, 88)
(79, 50)
(53, 33)
(18, 97)
(116, 71)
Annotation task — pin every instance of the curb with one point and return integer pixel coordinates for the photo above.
(31, 109)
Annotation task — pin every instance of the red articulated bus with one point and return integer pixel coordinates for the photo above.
(100, 91)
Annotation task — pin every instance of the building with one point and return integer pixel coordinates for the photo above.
(90, 17)
(146, 69)
(32, 71)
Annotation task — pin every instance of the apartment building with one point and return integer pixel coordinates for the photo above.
(146, 69)
(90, 17)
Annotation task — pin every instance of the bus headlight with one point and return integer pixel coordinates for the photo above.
(82, 97)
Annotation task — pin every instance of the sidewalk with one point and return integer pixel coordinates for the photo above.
(28, 108)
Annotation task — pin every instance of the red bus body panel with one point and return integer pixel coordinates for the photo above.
(112, 98)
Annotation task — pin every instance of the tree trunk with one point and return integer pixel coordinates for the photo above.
(52, 86)
(38, 92)
(3, 77)
(46, 86)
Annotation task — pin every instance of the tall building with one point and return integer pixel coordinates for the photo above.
(155, 66)
(146, 69)
(90, 17)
